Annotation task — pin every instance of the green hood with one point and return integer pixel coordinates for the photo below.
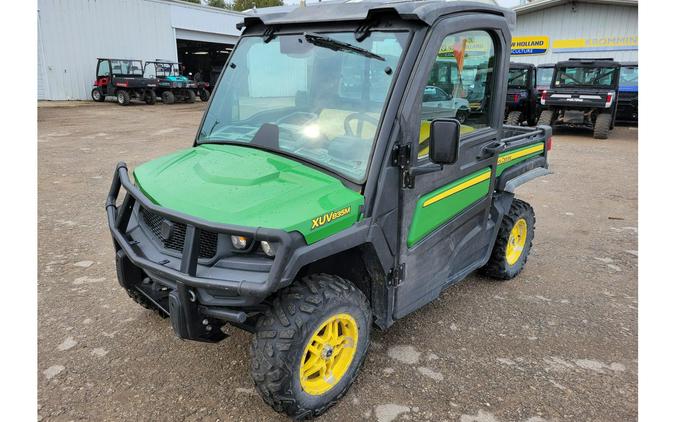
(249, 187)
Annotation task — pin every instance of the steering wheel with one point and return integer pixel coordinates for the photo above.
(361, 117)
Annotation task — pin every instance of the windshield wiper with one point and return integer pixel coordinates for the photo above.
(335, 45)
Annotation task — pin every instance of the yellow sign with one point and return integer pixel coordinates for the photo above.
(529, 45)
(624, 43)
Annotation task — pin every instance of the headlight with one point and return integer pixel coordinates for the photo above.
(240, 242)
(268, 248)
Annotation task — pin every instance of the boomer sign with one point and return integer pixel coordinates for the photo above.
(530, 45)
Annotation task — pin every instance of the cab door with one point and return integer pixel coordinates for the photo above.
(445, 230)
(103, 77)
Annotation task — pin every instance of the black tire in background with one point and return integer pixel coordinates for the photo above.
(150, 98)
(168, 97)
(204, 95)
(602, 126)
(498, 265)
(514, 118)
(97, 95)
(190, 96)
(545, 118)
(285, 331)
(123, 97)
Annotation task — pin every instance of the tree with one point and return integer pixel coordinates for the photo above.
(240, 5)
(219, 3)
(194, 1)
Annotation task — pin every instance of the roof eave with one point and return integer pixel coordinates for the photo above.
(545, 4)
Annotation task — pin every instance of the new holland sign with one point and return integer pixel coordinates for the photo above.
(530, 45)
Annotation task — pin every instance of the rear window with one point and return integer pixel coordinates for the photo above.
(585, 76)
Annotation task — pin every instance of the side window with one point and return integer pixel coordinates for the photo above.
(104, 68)
(459, 84)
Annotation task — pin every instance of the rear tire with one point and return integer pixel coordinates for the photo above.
(204, 95)
(603, 121)
(514, 118)
(290, 338)
(123, 97)
(168, 97)
(545, 118)
(97, 95)
(513, 243)
(190, 97)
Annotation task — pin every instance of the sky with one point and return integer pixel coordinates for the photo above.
(503, 3)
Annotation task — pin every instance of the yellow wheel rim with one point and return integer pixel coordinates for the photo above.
(516, 243)
(329, 353)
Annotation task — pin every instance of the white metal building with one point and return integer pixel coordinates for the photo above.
(548, 31)
(72, 34)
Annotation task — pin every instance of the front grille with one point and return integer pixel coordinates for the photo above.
(208, 240)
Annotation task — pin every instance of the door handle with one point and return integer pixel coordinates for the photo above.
(491, 149)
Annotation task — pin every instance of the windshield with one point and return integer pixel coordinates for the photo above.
(317, 96)
(585, 76)
(518, 78)
(161, 70)
(628, 78)
(544, 77)
(127, 67)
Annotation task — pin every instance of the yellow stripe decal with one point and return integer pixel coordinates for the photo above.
(458, 188)
(523, 152)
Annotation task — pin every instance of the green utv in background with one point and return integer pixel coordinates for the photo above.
(326, 195)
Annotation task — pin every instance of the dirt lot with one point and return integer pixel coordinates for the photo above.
(557, 343)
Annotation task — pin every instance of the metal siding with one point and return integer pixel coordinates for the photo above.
(73, 33)
(588, 21)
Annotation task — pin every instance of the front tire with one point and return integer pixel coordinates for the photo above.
(513, 243)
(310, 344)
(168, 97)
(190, 96)
(97, 95)
(150, 98)
(204, 95)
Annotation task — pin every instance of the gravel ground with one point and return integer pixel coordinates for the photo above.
(557, 343)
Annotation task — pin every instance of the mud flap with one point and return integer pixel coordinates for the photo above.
(186, 321)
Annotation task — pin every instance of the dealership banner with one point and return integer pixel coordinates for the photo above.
(528, 46)
(626, 43)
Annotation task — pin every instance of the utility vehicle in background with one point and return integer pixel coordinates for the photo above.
(627, 108)
(123, 79)
(583, 93)
(544, 79)
(521, 95)
(172, 86)
(322, 198)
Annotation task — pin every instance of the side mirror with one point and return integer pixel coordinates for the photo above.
(444, 141)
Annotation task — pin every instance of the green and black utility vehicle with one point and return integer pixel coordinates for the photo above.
(319, 200)
(627, 109)
(123, 79)
(582, 94)
(521, 95)
(172, 86)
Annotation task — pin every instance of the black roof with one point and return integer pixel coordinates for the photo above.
(546, 65)
(588, 62)
(351, 10)
(514, 65)
(629, 64)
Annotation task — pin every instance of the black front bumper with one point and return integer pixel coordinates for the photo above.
(194, 287)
